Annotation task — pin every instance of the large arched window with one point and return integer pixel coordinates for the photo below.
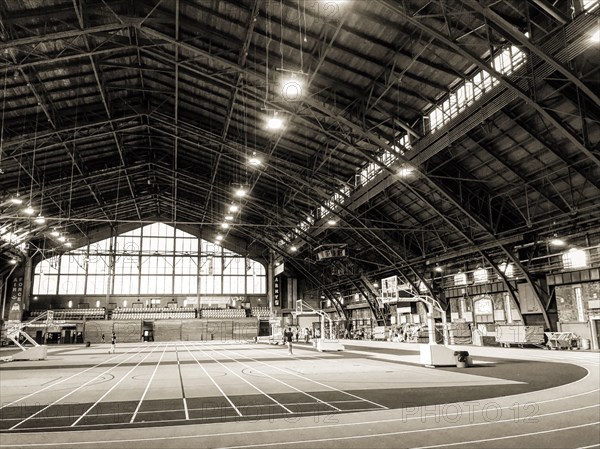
(156, 259)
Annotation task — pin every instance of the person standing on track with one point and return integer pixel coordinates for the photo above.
(288, 337)
(113, 343)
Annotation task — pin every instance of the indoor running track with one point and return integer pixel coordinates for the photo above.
(223, 394)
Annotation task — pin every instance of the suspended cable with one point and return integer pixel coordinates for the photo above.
(3, 109)
(300, 37)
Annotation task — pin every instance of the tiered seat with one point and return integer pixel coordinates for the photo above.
(74, 314)
(163, 313)
(261, 312)
(223, 313)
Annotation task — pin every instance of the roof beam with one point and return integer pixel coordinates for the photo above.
(518, 38)
(242, 57)
(507, 83)
(103, 95)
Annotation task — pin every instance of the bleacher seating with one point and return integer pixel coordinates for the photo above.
(162, 313)
(74, 314)
(223, 313)
(261, 312)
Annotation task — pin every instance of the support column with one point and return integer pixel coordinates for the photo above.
(270, 279)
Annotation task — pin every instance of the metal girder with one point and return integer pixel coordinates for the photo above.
(70, 34)
(551, 149)
(518, 38)
(47, 111)
(242, 57)
(364, 286)
(312, 102)
(39, 139)
(529, 182)
(103, 96)
(549, 9)
(507, 83)
(318, 203)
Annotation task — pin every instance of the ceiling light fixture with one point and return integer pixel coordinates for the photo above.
(234, 208)
(557, 241)
(274, 123)
(254, 160)
(62, 238)
(405, 171)
(55, 233)
(13, 261)
(68, 244)
(28, 210)
(595, 38)
(16, 199)
(292, 87)
(228, 217)
(331, 222)
(40, 219)
(219, 237)
(241, 192)
(293, 248)
(438, 269)
(225, 225)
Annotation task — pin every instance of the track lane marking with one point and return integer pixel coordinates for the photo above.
(73, 391)
(185, 407)
(281, 381)
(311, 380)
(323, 427)
(249, 383)
(215, 383)
(148, 385)
(65, 379)
(123, 377)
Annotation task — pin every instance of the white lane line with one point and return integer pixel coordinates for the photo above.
(278, 380)
(380, 435)
(137, 409)
(288, 371)
(185, 406)
(123, 377)
(249, 383)
(304, 428)
(508, 437)
(215, 383)
(73, 391)
(65, 379)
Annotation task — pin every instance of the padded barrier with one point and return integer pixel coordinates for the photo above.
(167, 330)
(93, 331)
(127, 331)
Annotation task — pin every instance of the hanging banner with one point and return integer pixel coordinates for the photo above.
(331, 252)
(276, 292)
(15, 309)
(389, 289)
(279, 269)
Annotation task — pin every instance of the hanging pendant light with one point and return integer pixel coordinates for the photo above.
(16, 199)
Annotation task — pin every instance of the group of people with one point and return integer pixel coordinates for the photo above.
(113, 343)
(358, 334)
(291, 335)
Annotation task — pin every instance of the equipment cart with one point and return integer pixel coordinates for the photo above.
(561, 340)
(516, 334)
